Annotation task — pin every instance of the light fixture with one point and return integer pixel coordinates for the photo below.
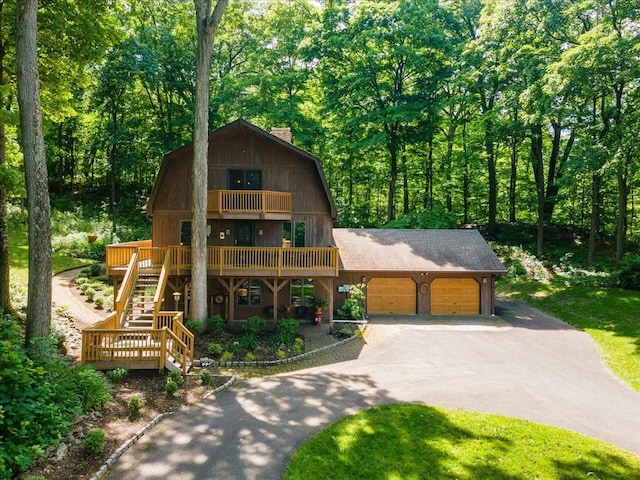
(176, 299)
(228, 231)
(363, 279)
(243, 292)
(484, 279)
(260, 232)
(208, 230)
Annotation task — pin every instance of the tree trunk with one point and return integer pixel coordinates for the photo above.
(35, 166)
(206, 26)
(393, 177)
(621, 225)
(538, 173)
(5, 288)
(595, 216)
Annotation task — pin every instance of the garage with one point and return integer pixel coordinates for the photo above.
(455, 296)
(391, 296)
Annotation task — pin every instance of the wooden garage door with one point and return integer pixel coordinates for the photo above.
(391, 295)
(455, 295)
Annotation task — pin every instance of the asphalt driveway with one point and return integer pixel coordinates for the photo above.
(522, 364)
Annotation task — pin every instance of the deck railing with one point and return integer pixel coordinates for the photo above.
(222, 260)
(107, 346)
(249, 201)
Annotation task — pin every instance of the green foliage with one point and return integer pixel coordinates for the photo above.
(255, 326)
(171, 388)
(298, 345)
(135, 404)
(194, 326)
(628, 274)
(353, 307)
(206, 377)
(99, 302)
(227, 356)
(91, 386)
(249, 342)
(215, 348)
(232, 346)
(215, 325)
(94, 441)
(117, 374)
(90, 293)
(176, 376)
(436, 217)
(286, 331)
(280, 354)
(38, 399)
(250, 357)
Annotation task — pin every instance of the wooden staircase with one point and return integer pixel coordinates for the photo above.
(140, 307)
(138, 335)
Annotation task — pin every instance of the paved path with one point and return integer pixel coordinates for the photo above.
(533, 367)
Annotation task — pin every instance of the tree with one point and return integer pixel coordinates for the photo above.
(207, 22)
(35, 163)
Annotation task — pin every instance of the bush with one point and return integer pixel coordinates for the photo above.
(215, 348)
(91, 386)
(90, 293)
(353, 306)
(226, 356)
(254, 326)
(99, 302)
(206, 377)
(95, 269)
(135, 404)
(38, 399)
(286, 331)
(249, 342)
(176, 376)
(249, 357)
(94, 441)
(232, 346)
(280, 354)
(117, 374)
(215, 325)
(194, 326)
(298, 345)
(628, 275)
(171, 388)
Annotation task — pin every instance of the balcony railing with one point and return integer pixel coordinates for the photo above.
(249, 202)
(222, 261)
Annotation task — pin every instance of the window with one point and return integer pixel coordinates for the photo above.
(185, 232)
(245, 180)
(249, 293)
(294, 232)
(301, 291)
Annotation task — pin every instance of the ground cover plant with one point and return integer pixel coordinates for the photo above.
(412, 442)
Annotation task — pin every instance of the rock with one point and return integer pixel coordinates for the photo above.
(61, 452)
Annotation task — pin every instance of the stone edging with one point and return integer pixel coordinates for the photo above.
(128, 444)
(272, 363)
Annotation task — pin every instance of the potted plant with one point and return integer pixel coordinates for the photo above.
(318, 303)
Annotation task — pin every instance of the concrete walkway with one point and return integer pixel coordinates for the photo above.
(523, 364)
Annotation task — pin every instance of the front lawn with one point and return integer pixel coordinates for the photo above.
(610, 315)
(415, 442)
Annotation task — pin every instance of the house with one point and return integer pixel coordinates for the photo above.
(272, 246)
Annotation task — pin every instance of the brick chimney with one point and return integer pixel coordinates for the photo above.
(282, 134)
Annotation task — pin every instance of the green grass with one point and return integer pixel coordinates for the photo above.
(609, 315)
(415, 442)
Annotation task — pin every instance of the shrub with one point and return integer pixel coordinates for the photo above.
(206, 377)
(99, 302)
(215, 325)
(353, 305)
(298, 345)
(81, 280)
(38, 401)
(171, 388)
(135, 404)
(176, 376)
(280, 354)
(254, 326)
(249, 357)
(91, 386)
(94, 441)
(232, 346)
(226, 356)
(628, 274)
(286, 331)
(90, 293)
(95, 269)
(215, 348)
(117, 374)
(249, 342)
(194, 326)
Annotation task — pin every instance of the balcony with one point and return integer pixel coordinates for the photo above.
(249, 204)
(230, 261)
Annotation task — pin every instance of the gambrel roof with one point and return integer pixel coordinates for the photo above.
(461, 250)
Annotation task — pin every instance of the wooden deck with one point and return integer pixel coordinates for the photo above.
(249, 204)
(229, 261)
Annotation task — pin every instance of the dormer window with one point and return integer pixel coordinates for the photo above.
(245, 179)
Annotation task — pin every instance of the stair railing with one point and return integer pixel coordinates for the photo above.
(162, 284)
(124, 292)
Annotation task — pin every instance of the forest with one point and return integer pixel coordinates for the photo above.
(424, 114)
